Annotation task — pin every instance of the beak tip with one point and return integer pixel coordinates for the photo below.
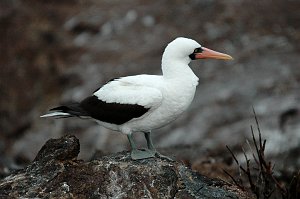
(228, 57)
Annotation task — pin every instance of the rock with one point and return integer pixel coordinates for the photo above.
(56, 173)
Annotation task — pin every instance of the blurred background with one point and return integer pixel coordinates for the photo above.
(60, 51)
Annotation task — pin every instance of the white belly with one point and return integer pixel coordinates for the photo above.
(177, 98)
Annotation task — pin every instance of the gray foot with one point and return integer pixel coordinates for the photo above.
(142, 154)
(157, 154)
(163, 156)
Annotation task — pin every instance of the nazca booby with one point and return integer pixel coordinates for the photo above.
(142, 103)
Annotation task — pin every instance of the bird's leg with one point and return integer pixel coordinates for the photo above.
(131, 142)
(138, 154)
(151, 147)
(149, 141)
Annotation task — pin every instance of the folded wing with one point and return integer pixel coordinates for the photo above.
(120, 101)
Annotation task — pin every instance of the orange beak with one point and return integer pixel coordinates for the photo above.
(211, 54)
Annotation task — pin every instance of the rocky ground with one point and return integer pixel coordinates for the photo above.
(58, 51)
(56, 173)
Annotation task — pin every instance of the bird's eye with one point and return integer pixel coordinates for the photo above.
(198, 50)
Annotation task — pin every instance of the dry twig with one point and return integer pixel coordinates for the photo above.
(266, 183)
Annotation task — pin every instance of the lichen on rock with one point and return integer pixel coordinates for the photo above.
(56, 173)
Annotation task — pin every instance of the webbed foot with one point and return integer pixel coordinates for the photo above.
(142, 154)
(157, 154)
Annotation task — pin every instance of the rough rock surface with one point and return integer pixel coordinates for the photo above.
(56, 173)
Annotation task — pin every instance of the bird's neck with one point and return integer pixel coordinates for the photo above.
(178, 69)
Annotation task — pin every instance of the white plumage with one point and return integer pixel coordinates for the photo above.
(142, 103)
(167, 99)
(138, 89)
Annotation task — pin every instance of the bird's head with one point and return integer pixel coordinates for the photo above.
(187, 49)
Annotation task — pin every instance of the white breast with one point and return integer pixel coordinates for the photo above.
(177, 96)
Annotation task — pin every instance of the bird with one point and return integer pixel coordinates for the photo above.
(143, 103)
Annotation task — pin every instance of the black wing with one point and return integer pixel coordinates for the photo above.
(113, 113)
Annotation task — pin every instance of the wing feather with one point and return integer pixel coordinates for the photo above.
(122, 99)
(130, 92)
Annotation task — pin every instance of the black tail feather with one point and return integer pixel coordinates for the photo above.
(73, 109)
